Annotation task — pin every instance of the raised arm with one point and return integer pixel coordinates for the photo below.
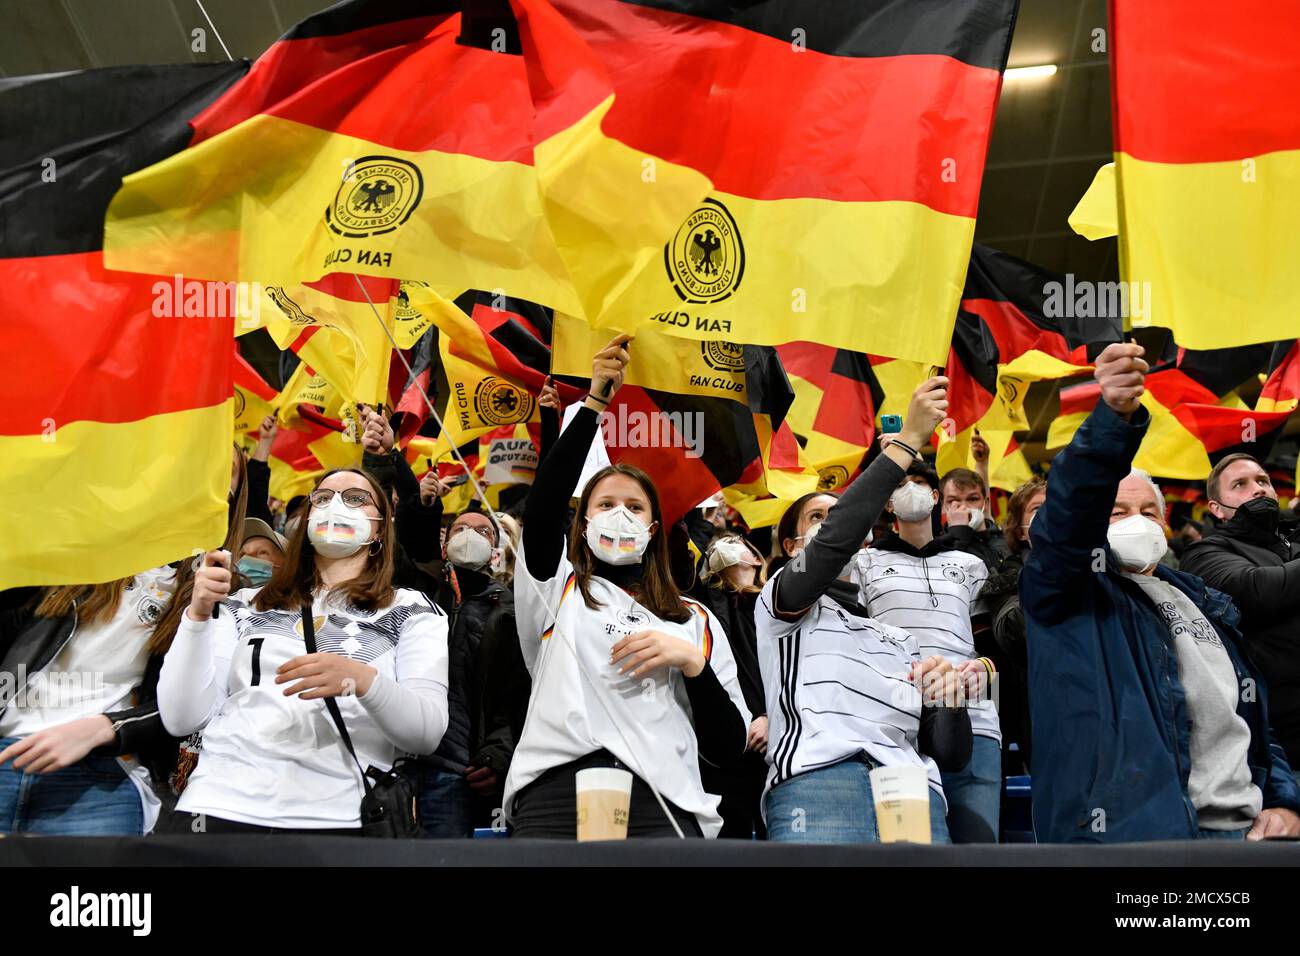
(544, 514)
(1068, 534)
(193, 680)
(811, 572)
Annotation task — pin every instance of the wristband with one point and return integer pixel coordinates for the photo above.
(602, 401)
(988, 666)
(907, 448)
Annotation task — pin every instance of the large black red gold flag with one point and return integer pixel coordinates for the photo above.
(845, 142)
(116, 399)
(836, 399)
(1018, 324)
(697, 416)
(1207, 157)
(412, 157)
(1192, 427)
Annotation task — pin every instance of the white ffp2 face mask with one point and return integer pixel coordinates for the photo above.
(470, 550)
(1138, 542)
(617, 536)
(912, 501)
(338, 530)
(977, 519)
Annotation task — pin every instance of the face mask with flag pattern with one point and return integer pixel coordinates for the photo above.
(617, 536)
(338, 530)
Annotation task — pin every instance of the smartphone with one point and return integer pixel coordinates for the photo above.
(891, 424)
(452, 473)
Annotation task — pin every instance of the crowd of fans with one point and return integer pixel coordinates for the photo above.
(749, 678)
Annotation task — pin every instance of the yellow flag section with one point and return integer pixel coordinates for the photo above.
(1207, 150)
(1001, 417)
(663, 362)
(324, 410)
(342, 172)
(1095, 216)
(254, 400)
(343, 326)
(479, 400)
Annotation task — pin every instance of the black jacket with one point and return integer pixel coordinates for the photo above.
(1001, 595)
(1259, 568)
(988, 545)
(29, 643)
(486, 685)
(734, 610)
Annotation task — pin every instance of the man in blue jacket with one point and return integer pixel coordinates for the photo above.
(1149, 721)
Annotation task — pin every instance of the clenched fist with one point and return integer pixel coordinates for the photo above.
(1121, 372)
(211, 585)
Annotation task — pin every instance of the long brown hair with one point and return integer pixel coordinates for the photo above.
(95, 603)
(787, 527)
(294, 582)
(165, 629)
(658, 592)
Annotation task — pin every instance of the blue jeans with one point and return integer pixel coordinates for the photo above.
(834, 805)
(1204, 834)
(975, 794)
(445, 806)
(93, 797)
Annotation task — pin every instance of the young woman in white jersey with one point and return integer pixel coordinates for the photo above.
(844, 692)
(626, 672)
(272, 758)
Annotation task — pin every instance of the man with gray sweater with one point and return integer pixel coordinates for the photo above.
(1149, 720)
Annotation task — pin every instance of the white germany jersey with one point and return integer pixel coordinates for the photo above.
(837, 685)
(933, 599)
(278, 761)
(645, 722)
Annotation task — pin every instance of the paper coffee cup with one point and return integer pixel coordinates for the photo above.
(604, 796)
(902, 796)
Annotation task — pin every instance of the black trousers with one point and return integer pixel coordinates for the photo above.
(741, 790)
(547, 809)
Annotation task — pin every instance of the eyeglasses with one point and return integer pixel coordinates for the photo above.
(352, 497)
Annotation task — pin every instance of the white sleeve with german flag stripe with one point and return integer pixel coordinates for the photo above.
(713, 643)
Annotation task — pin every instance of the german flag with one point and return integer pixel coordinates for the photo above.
(836, 396)
(295, 467)
(1018, 324)
(1281, 391)
(412, 158)
(1207, 150)
(254, 400)
(495, 357)
(115, 408)
(845, 142)
(694, 444)
(1222, 371)
(1191, 427)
